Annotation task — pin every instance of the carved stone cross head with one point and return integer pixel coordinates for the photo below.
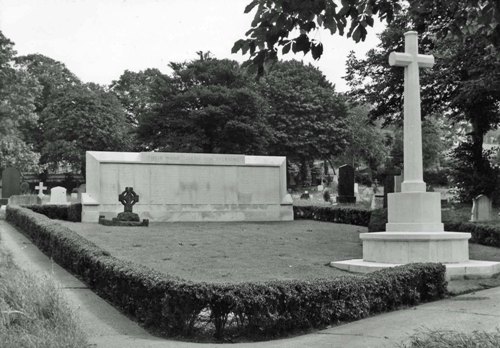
(128, 198)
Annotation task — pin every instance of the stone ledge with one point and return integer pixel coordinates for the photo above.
(409, 236)
(471, 269)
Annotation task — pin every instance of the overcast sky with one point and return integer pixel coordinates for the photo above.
(99, 39)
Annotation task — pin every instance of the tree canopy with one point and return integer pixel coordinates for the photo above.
(276, 20)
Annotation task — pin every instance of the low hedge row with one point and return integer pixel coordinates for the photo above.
(341, 215)
(175, 307)
(481, 233)
(72, 212)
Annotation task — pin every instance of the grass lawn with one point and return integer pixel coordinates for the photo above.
(231, 251)
(239, 251)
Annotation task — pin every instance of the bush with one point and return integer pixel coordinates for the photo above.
(378, 219)
(176, 307)
(437, 178)
(72, 212)
(341, 215)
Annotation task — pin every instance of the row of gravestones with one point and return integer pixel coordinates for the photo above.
(12, 188)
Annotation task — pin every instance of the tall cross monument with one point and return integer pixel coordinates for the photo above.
(412, 61)
(414, 231)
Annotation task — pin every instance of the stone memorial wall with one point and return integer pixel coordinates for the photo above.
(188, 187)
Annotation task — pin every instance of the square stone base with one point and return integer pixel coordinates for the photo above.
(407, 247)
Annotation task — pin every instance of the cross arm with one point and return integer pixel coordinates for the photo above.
(400, 59)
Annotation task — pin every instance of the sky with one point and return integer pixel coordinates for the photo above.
(99, 39)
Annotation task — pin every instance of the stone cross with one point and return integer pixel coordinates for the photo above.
(412, 61)
(128, 198)
(40, 189)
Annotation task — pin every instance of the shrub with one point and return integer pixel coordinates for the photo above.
(437, 178)
(341, 215)
(72, 212)
(176, 307)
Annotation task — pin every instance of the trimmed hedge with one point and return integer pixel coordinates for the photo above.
(341, 215)
(72, 212)
(481, 233)
(175, 307)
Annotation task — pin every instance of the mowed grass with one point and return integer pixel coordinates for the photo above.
(232, 251)
(33, 312)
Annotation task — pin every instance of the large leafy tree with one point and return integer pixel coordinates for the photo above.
(208, 105)
(18, 91)
(83, 118)
(291, 24)
(307, 118)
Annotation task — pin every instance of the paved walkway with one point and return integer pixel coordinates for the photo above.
(108, 328)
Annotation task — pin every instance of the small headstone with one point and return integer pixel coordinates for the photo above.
(25, 188)
(377, 202)
(81, 189)
(481, 209)
(58, 196)
(74, 197)
(356, 188)
(320, 188)
(40, 189)
(127, 218)
(11, 182)
(345, 187)
(389, 183)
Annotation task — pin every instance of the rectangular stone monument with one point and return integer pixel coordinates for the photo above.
(345, 187)
(481, 209)
(11, 182)
(58, 196)
(187, 186)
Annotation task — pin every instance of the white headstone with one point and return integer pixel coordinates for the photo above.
(356, 188)
(481, 209)
(58, 196)
(40, 189)
(320, 188)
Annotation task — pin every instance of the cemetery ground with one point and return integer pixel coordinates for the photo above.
(239, 251)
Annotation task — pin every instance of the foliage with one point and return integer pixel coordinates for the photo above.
(207, 106)
(18, 91)
(339, 215)
(367, 141)
(179, 308)
(275, 20)
(136, 92)
(33, 311)
(470, 175)
(453, 339)
(71, 212)
(84, 118)
(433, 147)
(307, 118)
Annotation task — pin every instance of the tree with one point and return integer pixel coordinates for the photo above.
(83, 118)
(306, 117)
(208, 105)
(135, 90)
(367, 141)
(463, 85)
(18, 91)
(276, 20)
